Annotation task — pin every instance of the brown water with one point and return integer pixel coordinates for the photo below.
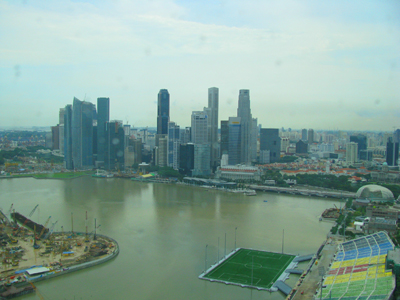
(162, 231)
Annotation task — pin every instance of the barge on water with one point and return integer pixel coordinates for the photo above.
(17, 217)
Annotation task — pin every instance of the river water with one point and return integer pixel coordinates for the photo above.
(162, 231)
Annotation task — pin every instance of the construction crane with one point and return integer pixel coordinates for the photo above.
(36, 290)
(33, 210)
(44, 227)
(51, 230)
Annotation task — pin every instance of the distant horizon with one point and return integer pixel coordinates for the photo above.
(154, 128)
(308, 63)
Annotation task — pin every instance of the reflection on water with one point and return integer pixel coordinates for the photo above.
(163, 230)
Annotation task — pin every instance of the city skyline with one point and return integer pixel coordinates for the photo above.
(308, 64)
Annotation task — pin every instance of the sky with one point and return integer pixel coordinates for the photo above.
(324, 65)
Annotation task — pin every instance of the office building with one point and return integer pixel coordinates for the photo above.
(366, 155)
(361, 141)
(186, 159)
(392, 153)
(173, 145)
(82, 134)
(133, 152)
(213, 94)
(186, 135)
(310, 136)
(351, 153)
(163, 112)
(161, 150)
(270, 140)
(304, 135)
(234, 141)
(301, 147)
(265, 156)
(69, 165)
(201, 160)
(246, 121)
(61, 130)
(224, 145)
(199, 122)
(254, 137)
(115, 149)
(396, 136)
(55, 137)
(103, 116)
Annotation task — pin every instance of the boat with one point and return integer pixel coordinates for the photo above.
(12, 291)
(265, 200)
(250, 193)
(103, 174)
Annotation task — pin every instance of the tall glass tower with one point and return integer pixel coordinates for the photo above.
(163, 112)
(103, 116)
(213, 106)
(82, 134)
(244, 113)
(68, 137)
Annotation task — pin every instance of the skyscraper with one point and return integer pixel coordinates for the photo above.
(186, 158)
(304, 134)
(163, 112)
(199, 122)
(61, 130)
(244, 113)
(224, 138)
(361, 141)
(173, 145)
(254, 136)
(392, 153)
(82, 134)
(270, 140)
(351, 153)
(310, 136)
(115, 148)
(234, 141)
(69, 165)
(213, 106)
(103, 116)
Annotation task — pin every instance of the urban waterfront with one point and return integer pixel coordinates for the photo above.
(163, 230)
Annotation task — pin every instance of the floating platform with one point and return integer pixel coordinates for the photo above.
(252, 269)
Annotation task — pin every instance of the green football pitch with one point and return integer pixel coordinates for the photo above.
(252, 268)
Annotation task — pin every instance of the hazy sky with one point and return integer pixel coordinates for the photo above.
(308, 64)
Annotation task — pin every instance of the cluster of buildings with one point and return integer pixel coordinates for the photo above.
(88, 138)
(227, 149)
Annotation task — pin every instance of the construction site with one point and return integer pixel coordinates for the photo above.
(32, 252)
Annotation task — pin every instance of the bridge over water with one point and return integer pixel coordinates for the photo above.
(304, 192)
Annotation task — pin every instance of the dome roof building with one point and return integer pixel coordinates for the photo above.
(375, 193)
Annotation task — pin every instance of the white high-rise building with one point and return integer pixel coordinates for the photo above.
(199, 127)
(351, 152)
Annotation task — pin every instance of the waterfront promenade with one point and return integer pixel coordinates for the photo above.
(304, 191)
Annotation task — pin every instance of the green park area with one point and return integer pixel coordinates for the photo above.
(253, 268)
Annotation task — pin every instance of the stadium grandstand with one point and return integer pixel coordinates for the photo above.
(358, 271)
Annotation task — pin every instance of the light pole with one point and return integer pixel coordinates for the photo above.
(205, 263)
(235, 237)
(218, 249)
(225, 245)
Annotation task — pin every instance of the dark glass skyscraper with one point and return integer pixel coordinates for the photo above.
(114, 152)
(270, 140)
(234, 141)
(224, 137)
(68, 137)
(213, 106)
(103, 116)
(392, 153)
(82, 134)
(163, 112)
(360, 140)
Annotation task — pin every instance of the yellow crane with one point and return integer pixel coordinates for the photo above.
(44, 227)
(37, 292)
